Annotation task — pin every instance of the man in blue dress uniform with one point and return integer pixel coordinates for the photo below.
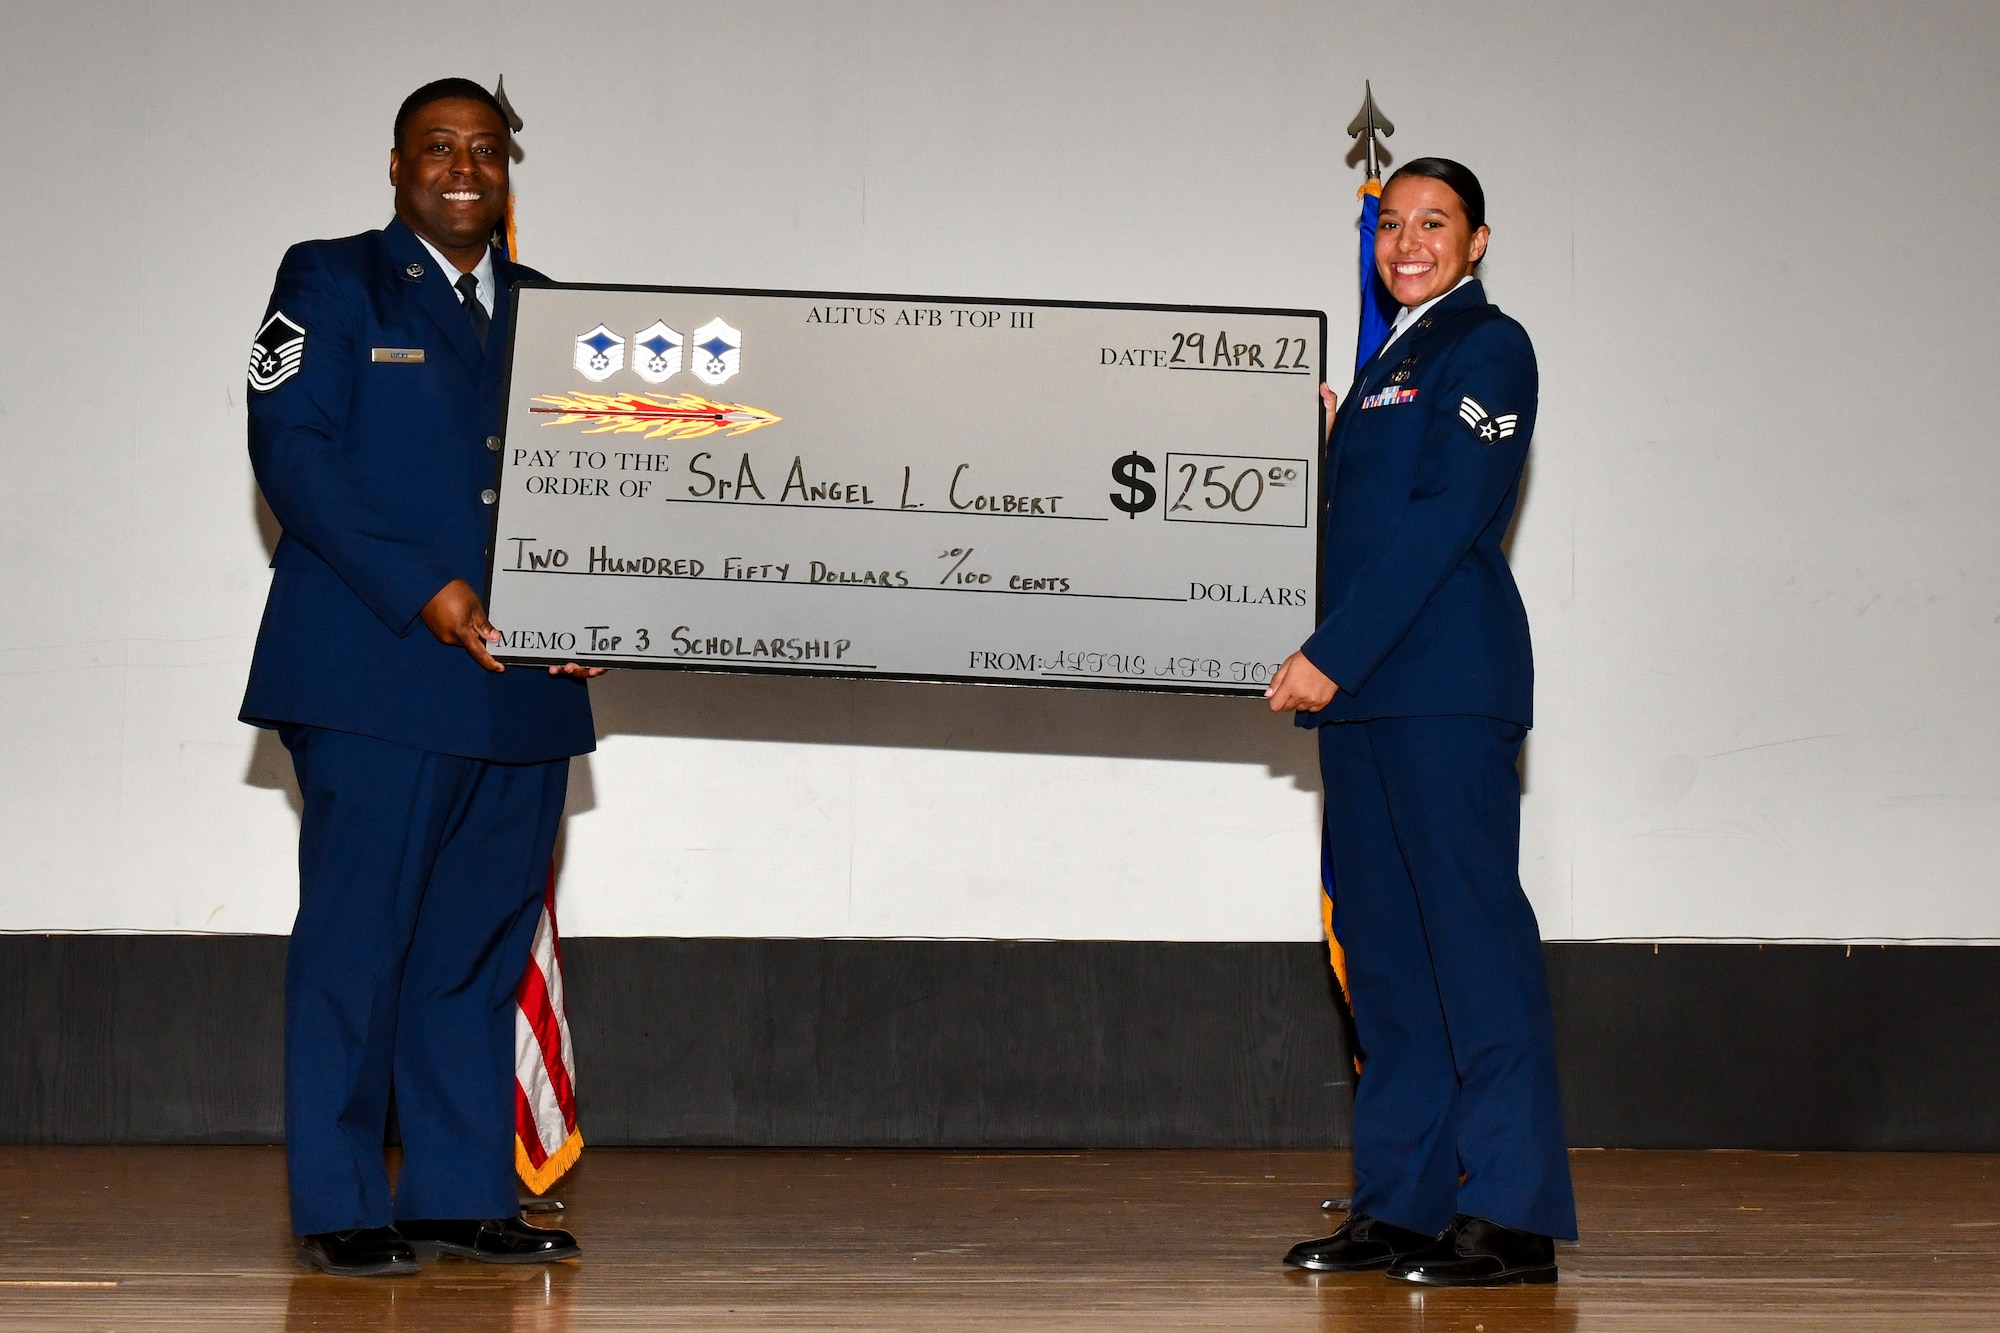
(432, 777)
(1420, 682)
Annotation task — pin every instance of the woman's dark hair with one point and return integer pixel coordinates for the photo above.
(1456, 175)
(440, 90)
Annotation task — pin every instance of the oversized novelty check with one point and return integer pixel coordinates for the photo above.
(1020, 492)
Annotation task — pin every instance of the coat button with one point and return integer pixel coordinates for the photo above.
(493, 443)
(488, 496)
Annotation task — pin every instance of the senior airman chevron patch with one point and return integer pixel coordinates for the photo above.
(1489, 428)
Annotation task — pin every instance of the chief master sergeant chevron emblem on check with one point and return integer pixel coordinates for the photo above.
(1489, 429)
(716, 351)
(600, 354)
(656, 353)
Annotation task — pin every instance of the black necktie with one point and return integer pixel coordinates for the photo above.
(468, 295)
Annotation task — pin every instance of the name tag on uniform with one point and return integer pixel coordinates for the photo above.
(1391, 397)
(398, 356)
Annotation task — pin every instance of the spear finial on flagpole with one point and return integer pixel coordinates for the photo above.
(514, 122)
(1366, 125)
(1369, 128)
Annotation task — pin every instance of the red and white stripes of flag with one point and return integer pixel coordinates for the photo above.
(546, 1141)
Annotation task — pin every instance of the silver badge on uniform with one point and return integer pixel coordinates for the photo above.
(277, 352)
(656, 353)
(1489, 428)
(600, 354)
(716, 350)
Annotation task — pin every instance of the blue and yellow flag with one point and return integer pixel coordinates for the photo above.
(1378, 308)
(1333, 949)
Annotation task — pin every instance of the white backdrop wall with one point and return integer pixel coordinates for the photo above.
(1752, 242)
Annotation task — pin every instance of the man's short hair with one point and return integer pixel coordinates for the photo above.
(439, 90)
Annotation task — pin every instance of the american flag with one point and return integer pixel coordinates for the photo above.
(546, 1141)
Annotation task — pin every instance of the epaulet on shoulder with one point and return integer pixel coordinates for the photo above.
(337, 247)
(1493, 326)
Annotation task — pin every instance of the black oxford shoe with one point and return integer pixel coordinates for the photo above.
(1361, 1243)
(1474, 1252)
(361, 1252)
(505, 1240)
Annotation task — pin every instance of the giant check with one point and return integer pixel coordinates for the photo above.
(1015, 492)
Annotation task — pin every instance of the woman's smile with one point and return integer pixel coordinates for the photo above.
(1423, 241)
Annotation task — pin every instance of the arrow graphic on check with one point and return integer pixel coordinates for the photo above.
(681, 416)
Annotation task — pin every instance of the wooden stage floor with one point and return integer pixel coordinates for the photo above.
(195, 1238)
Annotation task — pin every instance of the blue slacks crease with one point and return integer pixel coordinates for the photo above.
(1445, 972)
(420, 883)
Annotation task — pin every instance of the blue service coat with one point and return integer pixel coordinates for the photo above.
(379, 466)
(1423, 473)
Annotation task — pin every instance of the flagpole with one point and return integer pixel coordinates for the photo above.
(545, 1105)
(1372, 329)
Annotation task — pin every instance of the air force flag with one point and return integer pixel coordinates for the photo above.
(716, 351)
(600, 354)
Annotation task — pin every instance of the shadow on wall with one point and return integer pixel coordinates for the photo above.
(919, 716)
(910, 715)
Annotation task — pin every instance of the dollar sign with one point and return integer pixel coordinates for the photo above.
(1126, 473)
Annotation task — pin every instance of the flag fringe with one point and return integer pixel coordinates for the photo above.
(544, 1095)
(1334, 952)
(539, 1178)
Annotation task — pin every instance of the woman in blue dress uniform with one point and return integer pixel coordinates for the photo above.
(1420, 683)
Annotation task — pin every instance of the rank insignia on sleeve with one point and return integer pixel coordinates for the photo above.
(1489, 428)
(277, 352)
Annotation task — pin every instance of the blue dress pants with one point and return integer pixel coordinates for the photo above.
(420, 882)
(1457, 1108)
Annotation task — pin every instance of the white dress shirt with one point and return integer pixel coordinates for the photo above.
(1406, 316)
(483, 273)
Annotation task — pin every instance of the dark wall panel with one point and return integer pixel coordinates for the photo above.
(998, 1044)
(142, 1038)
(178, 1039)
(1779, 1046)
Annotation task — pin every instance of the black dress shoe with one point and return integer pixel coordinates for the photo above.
(504, 1240)
(361, 1252)
(1474, 1252)
(1361, 1243)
